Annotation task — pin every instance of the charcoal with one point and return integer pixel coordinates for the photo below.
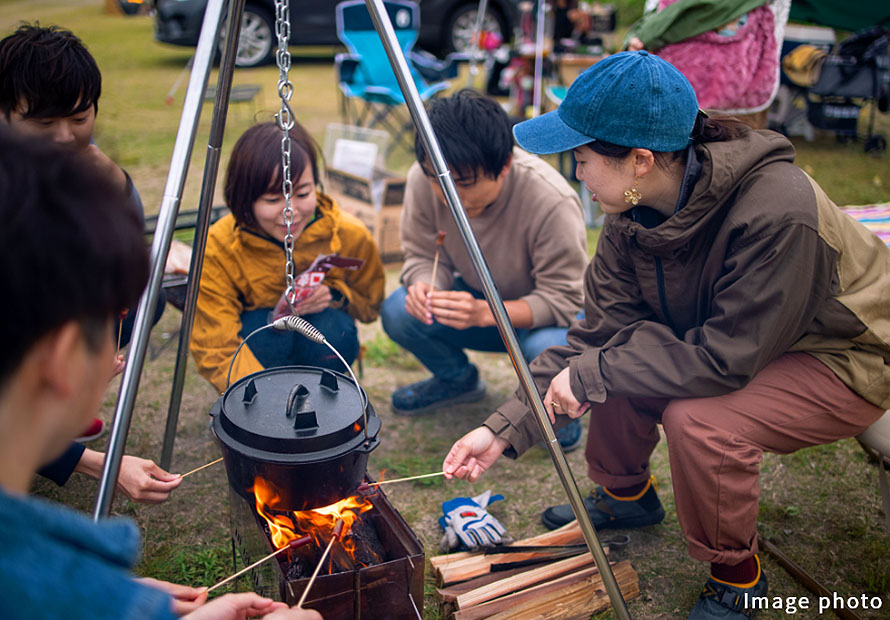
(368, 548)
(298, 570)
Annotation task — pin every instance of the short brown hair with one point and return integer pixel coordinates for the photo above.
(255, 166)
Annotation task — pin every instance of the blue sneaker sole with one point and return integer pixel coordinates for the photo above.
(472, 396)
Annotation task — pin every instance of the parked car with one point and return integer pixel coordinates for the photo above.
(446, 25)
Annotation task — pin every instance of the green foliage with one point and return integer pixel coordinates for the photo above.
(201, 566)
(384, 353)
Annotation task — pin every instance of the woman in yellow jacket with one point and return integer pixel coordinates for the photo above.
(244, 266)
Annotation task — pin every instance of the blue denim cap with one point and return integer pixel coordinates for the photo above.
(631, 99)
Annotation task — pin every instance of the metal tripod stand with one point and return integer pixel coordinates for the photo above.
(207, 45)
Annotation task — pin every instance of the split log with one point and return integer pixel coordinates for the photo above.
(470, 565)
(577, 601)
(523, 580)
(483, 610)
(568, 534)
(450, 594)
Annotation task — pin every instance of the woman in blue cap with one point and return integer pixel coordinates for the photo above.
(729, 300)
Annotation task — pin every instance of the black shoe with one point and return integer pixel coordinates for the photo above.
(720, 600)
(433, 393)
(607, 511)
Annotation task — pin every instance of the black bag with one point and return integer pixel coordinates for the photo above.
(859, 66)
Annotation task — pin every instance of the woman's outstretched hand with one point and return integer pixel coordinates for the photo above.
(472, 454)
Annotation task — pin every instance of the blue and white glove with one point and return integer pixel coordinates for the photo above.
(467, 524)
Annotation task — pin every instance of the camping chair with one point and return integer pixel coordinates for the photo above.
(369, 91)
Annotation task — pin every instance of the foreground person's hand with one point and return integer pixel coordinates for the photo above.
(473, 453)
(145, 482)
(249, 605)
(185, 598)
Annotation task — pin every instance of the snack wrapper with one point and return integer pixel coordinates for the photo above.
(311, 278)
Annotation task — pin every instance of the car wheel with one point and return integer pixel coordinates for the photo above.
(458, 33)
(257, 42)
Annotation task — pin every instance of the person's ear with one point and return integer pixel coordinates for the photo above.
(61, 352)
(643, 162)
(506, 167)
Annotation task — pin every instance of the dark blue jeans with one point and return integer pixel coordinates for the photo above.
(440, 348)
(273, 348)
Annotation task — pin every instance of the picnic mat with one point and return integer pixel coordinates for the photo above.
(875, 217)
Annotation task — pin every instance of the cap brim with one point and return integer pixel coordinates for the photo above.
(548, 134)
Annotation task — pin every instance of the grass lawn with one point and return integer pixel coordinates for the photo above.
(821, 505)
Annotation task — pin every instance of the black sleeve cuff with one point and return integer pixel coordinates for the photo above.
(61, 469)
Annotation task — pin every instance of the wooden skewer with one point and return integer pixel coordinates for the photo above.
(440, 239)
(338, 529)
(365, 485)
(120, 328)
(189, 473)
(298, 542)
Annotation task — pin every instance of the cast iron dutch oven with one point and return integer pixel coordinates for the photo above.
(299, 428)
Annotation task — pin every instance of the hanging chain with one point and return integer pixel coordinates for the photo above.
(285, 118)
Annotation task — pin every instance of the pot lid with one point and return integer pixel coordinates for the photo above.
(294, 413)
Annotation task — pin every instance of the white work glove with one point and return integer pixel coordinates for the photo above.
(468, 524)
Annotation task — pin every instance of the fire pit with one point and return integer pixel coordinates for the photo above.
(296, 442)
(388, 586)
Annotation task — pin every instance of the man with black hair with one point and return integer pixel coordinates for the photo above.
(49, 89)
(78, 257)
(528, 222)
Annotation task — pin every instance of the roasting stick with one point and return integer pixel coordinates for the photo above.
(366, 485)
(197, 469)
(440, 239)
(338, 529)
(298, 542)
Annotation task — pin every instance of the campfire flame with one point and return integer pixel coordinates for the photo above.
(285, 526)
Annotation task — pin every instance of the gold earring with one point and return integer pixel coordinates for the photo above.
(633, 195)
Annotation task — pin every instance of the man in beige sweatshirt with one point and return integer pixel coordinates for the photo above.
(528, 222)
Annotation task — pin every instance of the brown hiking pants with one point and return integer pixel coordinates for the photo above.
(716, 445)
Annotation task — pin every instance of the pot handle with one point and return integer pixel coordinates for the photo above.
(372, 436)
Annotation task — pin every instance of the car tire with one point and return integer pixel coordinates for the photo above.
(458, 29)
(257, 42)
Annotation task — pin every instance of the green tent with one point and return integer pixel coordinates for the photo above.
(842, 14)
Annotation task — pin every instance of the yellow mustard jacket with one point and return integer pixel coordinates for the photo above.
(244, 270)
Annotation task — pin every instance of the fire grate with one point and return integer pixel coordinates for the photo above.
(390, 589)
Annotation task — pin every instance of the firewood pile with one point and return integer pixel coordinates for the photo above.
(559, 581)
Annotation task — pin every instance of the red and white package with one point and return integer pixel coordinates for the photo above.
(312, 277)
